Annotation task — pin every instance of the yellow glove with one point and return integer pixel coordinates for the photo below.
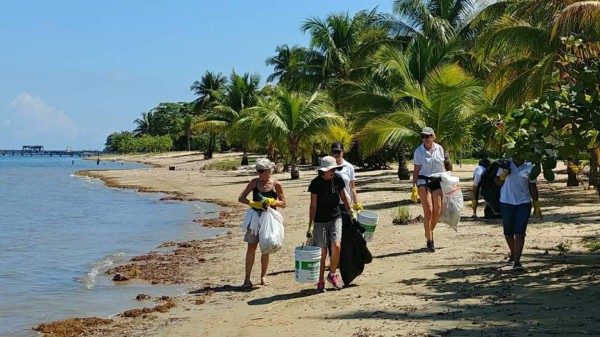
(270, 201)
(474, 205)
(357, 207)
(537, 211)
(352, 214)
(504, 174)
(309, 232)
(415, 194)
(256, 204)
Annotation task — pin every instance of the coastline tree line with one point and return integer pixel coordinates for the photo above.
(493, 78)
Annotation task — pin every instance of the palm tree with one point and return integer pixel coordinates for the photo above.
(522, 43)
(209, 91)
(292, 118)
(240, 92)
(143, 124)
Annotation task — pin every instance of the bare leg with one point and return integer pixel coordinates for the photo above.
(426, 203)
(436, 198)
(335, 255)
(250, 252)
(519, 243)
(510, 240)
(322, 267)
(264, 264)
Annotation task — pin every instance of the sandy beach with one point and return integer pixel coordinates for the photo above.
(463, 289)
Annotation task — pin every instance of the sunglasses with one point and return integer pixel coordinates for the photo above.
(260, 171)
(425, 136)
(336, 152)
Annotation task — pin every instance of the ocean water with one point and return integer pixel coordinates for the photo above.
(60, 232)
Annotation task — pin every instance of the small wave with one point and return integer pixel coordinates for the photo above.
(89, 279)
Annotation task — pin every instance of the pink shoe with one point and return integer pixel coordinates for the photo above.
(333, 279)
(321, 287)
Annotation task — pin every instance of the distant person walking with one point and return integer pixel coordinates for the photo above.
(98, 161)
(477, 174)
(266, 192)
(429, 158)
(516, 196)
(347, 173)
(325, 215)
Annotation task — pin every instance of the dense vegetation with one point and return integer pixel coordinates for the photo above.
(493, 78)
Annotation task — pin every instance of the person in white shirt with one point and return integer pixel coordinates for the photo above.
(483, 165)
(516, 195)
(347, 173)
(429, 158)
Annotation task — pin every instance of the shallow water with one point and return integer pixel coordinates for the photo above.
(60, 232)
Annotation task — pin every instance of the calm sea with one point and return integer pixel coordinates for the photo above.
(60, 232)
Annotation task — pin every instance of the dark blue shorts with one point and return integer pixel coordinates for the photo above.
(515, 218)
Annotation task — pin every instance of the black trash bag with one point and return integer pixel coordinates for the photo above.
(489, 190)
(354, 253)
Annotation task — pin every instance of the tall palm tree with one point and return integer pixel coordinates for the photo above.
(209, 91)
(293, 118)
(240, 92)
(143, 124)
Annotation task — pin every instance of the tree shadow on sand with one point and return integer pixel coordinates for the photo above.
(556, 295)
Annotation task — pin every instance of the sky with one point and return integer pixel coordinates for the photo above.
(72, 72)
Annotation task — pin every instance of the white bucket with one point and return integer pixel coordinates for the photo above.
(308, 263)
(368, 220)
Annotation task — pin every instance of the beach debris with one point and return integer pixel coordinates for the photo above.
(120, 278)
(143, 311)
(71, 327)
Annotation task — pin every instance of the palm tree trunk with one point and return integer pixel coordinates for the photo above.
(403, 172)
(294, 173)
(211, 147)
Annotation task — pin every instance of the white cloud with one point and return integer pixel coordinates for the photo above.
(33, 120)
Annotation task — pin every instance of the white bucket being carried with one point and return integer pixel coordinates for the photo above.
(308, 263)
(368, 220)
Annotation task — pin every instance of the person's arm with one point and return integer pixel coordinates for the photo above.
(281, 202)
(533, 190)
(345, 199)
(447, 161)
(415, 175)
(312, 211)
(354, 194)
(243, 196)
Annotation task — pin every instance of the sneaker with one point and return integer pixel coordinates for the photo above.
(430, 246)
(511, 259)
(518, 266)
(333, 279)
(321, 287)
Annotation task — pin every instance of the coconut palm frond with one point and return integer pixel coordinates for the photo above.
(582, 18)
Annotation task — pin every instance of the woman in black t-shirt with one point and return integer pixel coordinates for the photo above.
(325, 214)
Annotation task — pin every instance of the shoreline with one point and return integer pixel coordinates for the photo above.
(405, 291)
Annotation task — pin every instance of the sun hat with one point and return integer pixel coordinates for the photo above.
(263, 164)
(337, 146)
(427, 131)
(329, 163)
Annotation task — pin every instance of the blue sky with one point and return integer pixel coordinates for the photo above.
(72, 72)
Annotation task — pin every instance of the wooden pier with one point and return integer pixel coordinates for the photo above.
(38, 150)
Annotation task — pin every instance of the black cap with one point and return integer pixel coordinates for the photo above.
(337, 146)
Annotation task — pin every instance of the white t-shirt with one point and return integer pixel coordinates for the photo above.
(347, 173)
(477, 175)
(515, 190)
(429, 163)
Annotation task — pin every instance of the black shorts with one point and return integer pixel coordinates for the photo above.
(432, 185)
